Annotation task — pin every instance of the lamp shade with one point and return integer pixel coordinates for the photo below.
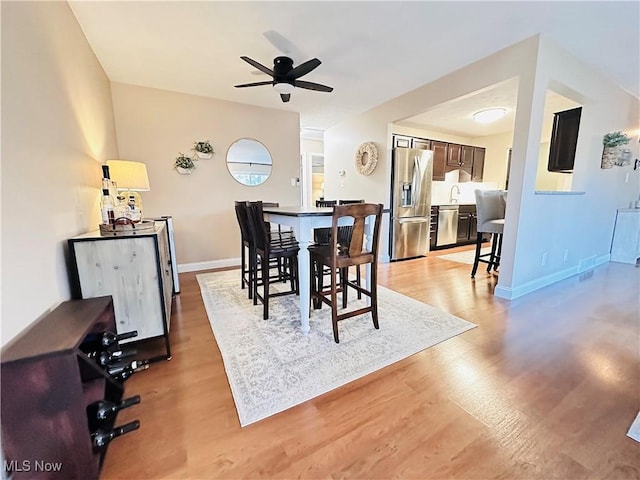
(129, 175)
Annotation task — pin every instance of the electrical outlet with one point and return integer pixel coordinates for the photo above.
(543, 260)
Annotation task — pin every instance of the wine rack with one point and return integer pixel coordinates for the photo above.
(47, 383)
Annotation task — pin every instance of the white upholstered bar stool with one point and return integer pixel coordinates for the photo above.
(490, 208)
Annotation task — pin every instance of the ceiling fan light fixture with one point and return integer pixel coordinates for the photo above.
(489, 115)
(283, 87)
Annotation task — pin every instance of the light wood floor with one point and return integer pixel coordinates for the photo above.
(546, 387)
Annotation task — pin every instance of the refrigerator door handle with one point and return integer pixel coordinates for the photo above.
(415, 181)
(414, 220)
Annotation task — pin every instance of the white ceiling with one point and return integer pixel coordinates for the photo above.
(456, 117)
(371, 52)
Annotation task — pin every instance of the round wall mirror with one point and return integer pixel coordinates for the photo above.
(249, 162)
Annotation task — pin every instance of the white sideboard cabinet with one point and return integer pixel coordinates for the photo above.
(135, 269)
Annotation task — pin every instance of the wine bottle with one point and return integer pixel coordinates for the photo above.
(123, 370)
(109, 338)
(105, 357)
(107, 183)
(107, 208)
(101, 437)
(135, 214)
(95, 343)
(104, 409)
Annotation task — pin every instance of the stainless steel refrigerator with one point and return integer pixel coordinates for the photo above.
(411, 174)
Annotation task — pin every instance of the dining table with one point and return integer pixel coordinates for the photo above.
(303, 220)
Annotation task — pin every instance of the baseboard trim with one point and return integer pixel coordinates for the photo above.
(208, 265)
(509, 293)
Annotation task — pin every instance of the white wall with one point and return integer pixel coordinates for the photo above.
(57, 126)
(571, 232)
(308, 145)
(154, 125)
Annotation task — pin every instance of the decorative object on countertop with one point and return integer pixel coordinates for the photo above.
(613, 153)
(203, 150)
(366, 158)
(184, 164)
(125, 226)
(130, 177)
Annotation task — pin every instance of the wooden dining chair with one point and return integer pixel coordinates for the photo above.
(322, 236)
(267, 248)
(340, 257)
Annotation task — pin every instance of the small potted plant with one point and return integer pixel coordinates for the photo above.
(184, 164)
(204, 149)
(612, 143)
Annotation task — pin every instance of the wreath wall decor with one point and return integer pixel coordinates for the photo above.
(366, 158)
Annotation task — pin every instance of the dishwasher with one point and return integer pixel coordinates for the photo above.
(447, 225)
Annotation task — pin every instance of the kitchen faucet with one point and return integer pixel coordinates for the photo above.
(451, 199)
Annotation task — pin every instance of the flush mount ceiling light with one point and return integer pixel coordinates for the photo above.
(489, 115)
(283, 87)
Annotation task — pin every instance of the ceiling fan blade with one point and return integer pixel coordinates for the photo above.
(285, 46)
(303, 68)
(313, 86)
(257, 65)
(255, 84)
(285, 97)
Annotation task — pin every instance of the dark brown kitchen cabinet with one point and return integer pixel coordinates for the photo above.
(465, 215)
(433, 227)
(478, 164)
(466, 157)
(564, 139)
(440, 150)
(47, 384)
(467, 224)
(454, 154)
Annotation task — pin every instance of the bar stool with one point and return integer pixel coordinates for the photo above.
(265, 249)
(490, 209)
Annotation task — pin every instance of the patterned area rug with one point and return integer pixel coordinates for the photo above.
(464, 257)
(271, 366)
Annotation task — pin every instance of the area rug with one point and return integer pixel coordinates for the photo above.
(271, 366)
(464, 257)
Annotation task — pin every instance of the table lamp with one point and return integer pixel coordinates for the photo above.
(130, 177)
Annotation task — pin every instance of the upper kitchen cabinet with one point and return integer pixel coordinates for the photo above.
(564, 139)
(421, 144)
(473, 161)
(454, 155)
(478, 164)
(440, 150)
(401, 141)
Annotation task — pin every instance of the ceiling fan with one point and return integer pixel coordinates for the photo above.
(285, 76)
